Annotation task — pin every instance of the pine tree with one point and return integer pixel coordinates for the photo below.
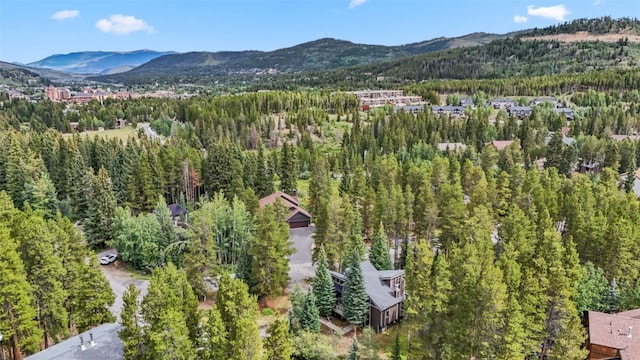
(90, 296)
(592, 289)
(101, 211)
(370, 345)
(199, 261)
(356, 244)
(564, 335)
(131, 333)
(169, 338)
(288, 168)
(239, 313)
(478, 309)
(213, 339)
(279, 343)
(16, 171)
(319, 185)
(82, 187)
(18, 322)
(452, 216)
(323, 288)
(296, 298)
(94, 298)
(169, 290)
(310, 317)
(41, 195)
(379, 252)
(141, 189)
(515, 335)
(270, 250)
(264, 176)
(396, 351)
(612, 298)
(354, 353)
(46, 273)
(168, 237)
(354, 296)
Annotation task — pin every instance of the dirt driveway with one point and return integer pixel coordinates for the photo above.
(120, 280)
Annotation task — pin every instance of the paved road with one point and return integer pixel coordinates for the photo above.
(120, 280)
(300, 266)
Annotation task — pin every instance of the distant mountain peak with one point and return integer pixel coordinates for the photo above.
(98, 62)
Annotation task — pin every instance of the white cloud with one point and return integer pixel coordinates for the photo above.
(557, 12)
(123, 24)
(597, 2)
(520, 19)
(355, 3)
(65, 14)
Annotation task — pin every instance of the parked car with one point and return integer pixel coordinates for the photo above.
(108, 259)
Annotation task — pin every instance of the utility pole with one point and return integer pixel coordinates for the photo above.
(1, 347)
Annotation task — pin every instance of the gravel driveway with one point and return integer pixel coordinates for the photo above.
(300, 266)
(120, 280)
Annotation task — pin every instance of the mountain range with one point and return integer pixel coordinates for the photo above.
(318, 55)
(97, 62)
(577, 46)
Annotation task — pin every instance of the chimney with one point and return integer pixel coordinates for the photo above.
(294, 192)
(82, 347)
(629, 333)
(91, 341)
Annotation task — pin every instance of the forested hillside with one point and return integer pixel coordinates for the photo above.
(501, 253)
(475, 56)
(322, 54)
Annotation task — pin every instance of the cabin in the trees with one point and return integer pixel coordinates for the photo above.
(613, 336)
(297, 217)
(177, 213)
(99, 343)
(385, 289)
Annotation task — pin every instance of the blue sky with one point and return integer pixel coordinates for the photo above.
(33, 29)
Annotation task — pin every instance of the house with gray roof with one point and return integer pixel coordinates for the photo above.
(385, 289)
(519, 111)
(99, 343)
(409, 108)
(502, 103)
(567, 112)
(448, 110)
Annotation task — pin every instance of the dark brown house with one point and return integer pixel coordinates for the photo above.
(297, 217)
(613, 336)
(386, 294)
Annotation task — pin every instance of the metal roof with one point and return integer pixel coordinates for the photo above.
(106, 346)
(380, 295)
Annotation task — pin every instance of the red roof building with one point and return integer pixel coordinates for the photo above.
(613, 336)
(297, 217)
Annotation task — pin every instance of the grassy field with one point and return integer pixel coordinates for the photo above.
(122, 134)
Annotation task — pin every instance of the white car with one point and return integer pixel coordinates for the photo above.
(108, 259)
